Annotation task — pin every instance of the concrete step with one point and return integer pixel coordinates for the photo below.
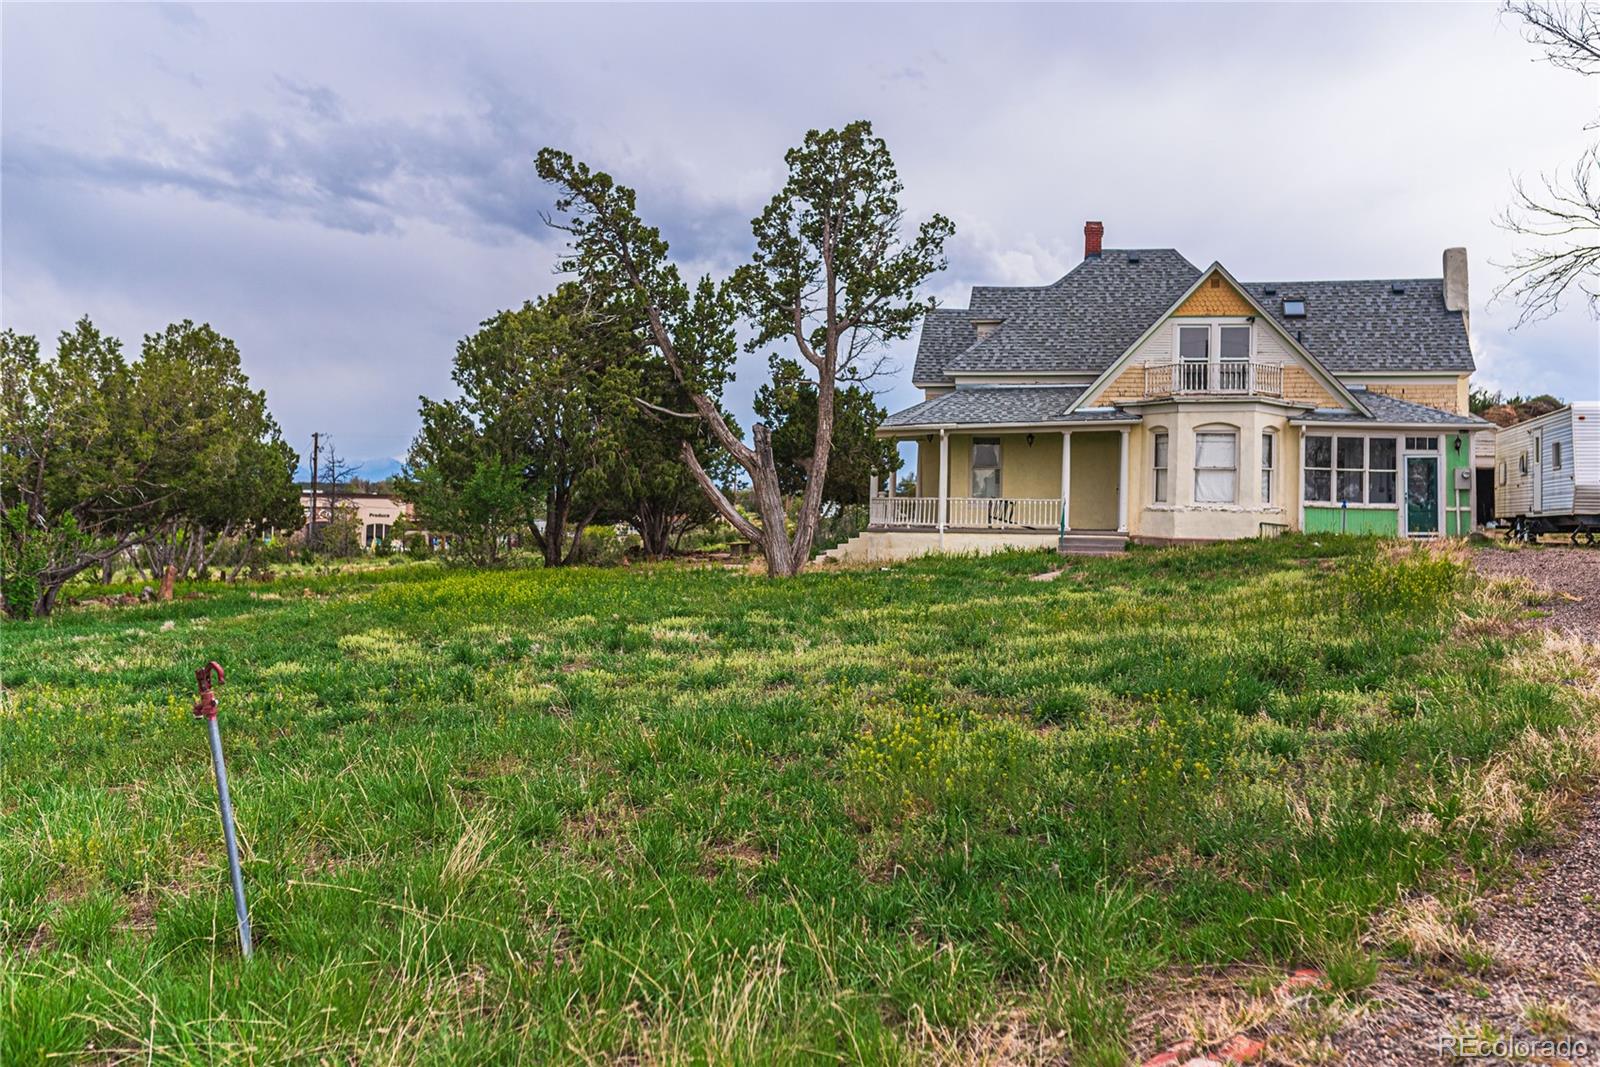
(1092, 544)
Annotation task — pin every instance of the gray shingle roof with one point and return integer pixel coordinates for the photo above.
(1089, 317)
(1077, 324)
(989, 405)
(1388, 409)
(1359, 326)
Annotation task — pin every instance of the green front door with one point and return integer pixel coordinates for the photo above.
(1422, 495)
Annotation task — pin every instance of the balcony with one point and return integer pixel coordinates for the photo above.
(1227, 378)
(968, 512)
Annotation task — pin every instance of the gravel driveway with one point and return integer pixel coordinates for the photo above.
(1543, 935)
(1544, 939)
(1570, 575)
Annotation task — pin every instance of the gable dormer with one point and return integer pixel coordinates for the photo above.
(1217, 342)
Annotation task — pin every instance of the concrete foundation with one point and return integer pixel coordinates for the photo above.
(889, 546)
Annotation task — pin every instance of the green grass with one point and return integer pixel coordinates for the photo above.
(685, 815)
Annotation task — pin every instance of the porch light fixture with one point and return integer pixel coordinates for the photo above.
(1457, 445)
(1030, 440)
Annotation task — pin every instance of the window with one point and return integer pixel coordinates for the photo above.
(1503, 478)
(1268, 442)
(1522, 463)
(1353, 470)
(1235, 342)
(1216, 468)
(1159, 465)
(1422, 444)
(1234, 349)
(986, 467)
(1555, 455)
(1538, 450)
(1352, 456)
(1381, 470)
(1294, 307)
(1319, 468)
(1194, 343)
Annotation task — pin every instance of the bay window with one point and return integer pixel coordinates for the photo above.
(1159, 467)
(1216, 467)
(1269, 443)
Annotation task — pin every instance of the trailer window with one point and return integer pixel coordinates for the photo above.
(1555, 455)
(1502, 472)
(1522, 463)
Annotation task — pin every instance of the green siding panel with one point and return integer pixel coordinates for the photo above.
(1378, 522)
(1457, 524)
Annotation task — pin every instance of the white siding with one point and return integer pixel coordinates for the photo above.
(1574, 488)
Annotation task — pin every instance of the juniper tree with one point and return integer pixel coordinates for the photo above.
(832, 274)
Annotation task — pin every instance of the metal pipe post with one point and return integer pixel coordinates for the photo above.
(206, 709)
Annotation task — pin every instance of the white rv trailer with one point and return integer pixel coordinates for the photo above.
(1547, 474)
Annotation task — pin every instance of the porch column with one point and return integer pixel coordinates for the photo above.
(1122, 486)
(944, 482)
(1066, 480)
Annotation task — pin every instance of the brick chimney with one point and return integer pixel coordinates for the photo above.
(1093, 232)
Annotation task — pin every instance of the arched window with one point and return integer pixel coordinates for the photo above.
(1160, 453)
(1269, 458)
(1216, 465)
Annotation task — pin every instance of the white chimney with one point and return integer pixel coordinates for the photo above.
(1455, 280)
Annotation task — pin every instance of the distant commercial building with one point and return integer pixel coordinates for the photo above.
(376, 513)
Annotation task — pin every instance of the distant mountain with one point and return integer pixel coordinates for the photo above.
(373, 470)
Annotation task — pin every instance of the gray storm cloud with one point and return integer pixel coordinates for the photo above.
(347, 190)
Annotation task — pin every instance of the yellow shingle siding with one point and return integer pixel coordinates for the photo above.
(1442, 396)
(1215, 297)
(1126, 387)
(1300, 387)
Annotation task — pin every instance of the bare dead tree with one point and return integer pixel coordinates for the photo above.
(1558, 216)
(1569, 33)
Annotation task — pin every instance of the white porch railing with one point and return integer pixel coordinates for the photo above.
(1227, 378)
(971, 513)
(904, 511)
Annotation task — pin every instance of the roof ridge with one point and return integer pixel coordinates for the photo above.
(1343, 281)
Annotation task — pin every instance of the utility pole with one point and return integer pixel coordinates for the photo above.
(316, 459)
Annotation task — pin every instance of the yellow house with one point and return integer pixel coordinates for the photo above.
(1140, 397)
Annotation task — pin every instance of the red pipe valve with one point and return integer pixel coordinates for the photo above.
(206, 706)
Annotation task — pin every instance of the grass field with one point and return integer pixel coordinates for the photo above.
(684, 815)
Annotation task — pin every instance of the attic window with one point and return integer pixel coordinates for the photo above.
(1397, 289)
(1294, 307)
(1271, 290)
(1133, 259)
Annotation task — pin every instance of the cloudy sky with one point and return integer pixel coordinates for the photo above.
(348, 190)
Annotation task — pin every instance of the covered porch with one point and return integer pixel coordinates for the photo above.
(974, 479)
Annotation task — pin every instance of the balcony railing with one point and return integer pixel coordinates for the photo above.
(969, 513)
(1227, 378)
